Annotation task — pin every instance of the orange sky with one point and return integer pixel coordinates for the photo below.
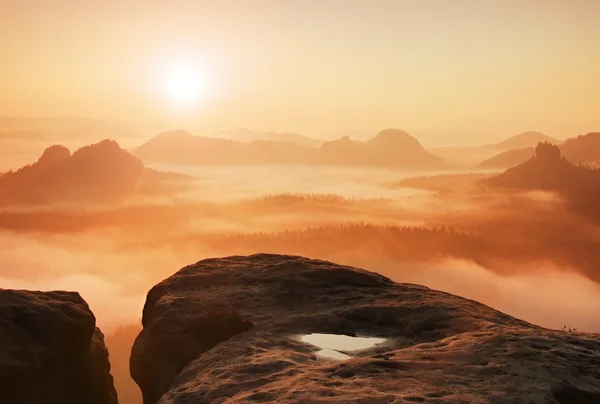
(456, 71)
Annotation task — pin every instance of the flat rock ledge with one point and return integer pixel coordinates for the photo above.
(227, 330)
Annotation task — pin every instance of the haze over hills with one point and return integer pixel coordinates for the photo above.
(246, 135)
(547, 170)
(524, 140)
(299, 141)
(66, 129)
(583, 149)
(181, 147)
(472, 156)
(23, 139)
(98, 172)
(507, 158)
(390, 148)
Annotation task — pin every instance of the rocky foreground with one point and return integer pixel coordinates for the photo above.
(51, 351)
(227, 330)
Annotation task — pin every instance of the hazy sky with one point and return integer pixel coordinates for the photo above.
(454, 70)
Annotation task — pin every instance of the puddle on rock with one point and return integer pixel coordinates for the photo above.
(332, 344)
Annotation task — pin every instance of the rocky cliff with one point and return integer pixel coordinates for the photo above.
(229, 330)
(51, 351)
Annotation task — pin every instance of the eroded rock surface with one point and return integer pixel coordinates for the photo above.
(440, 348)
(51, 351)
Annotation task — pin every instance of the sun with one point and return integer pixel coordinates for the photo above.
(184, 84)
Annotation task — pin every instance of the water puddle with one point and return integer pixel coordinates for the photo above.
(332, 344)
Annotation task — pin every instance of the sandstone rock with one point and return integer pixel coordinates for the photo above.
(51, 351)
(439, 348)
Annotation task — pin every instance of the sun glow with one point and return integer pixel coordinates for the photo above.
(184, 84)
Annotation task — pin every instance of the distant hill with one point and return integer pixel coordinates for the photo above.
(508, 158)
(352, 134)
(246, 135)
(466, 157)
(493, 156)
(524, 140)
(98, 172)
(547, 170)
(390, 148)
(180, 147)
(583, 149)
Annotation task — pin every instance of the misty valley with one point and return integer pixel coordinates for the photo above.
(111, 225)
(299, 202)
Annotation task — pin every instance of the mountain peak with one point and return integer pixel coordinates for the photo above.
(394, 137)
(55, 154)
(524, 140)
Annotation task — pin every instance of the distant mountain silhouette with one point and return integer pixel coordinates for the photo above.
(547, 170)
(508, 158)
(389, 148)
(353, 134)
(583, 149)
(180, 147)
(98, 172)
(492, 156)
(246, 135)
(524, 140)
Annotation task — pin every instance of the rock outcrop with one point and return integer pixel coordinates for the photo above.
(51, 351)
(227, 330)
(584, 149)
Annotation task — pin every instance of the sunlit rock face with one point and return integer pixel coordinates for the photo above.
(51, 351)
(250, 329)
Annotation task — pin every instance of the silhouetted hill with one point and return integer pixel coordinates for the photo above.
(512, 151)
(51, 351)
(180, 147)
(508, 158)
(548, 171)
(583, 149)
(524, 140)
(353, 134)
(230, 329)
(246, 135)
(390, 148)
(98, 172)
